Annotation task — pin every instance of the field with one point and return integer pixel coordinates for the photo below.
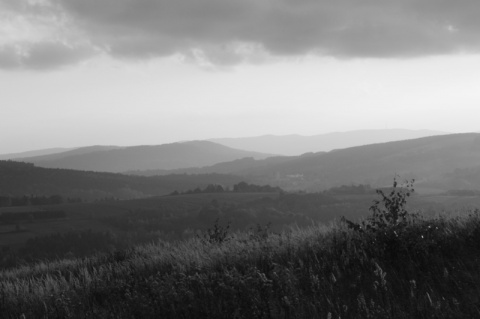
(181, 212)
(426, 268)
(92, 215)
(248, 255)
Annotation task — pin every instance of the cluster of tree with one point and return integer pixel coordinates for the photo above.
(241, 187)
(210, 188)
(8, 217)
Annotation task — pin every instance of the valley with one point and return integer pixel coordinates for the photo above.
(60, 218)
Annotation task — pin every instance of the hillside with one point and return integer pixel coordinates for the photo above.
(18, 179)
(292, 145)
(182, 216)
(42, 152)
(166, 156)
(68, 153)
(425, 159)
(437, 163)
(425, 268)
(238, 166)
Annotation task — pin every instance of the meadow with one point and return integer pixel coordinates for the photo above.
(394, 264)
(97, 216)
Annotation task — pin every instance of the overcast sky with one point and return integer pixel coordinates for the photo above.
(126, 72)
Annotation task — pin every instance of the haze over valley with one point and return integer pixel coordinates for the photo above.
(438, 164)
(298, 144)
(239, 159)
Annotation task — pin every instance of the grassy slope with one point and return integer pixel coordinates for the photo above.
(429, 271)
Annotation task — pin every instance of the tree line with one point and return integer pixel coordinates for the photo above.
(241, 187)
(35, 200)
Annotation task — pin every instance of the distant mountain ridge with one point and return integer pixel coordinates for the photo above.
(68, 153)
(437, 162)
(291, 145)
(47, 151)
(120, 159)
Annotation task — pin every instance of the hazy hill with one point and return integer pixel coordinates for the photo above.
(437, 162)
(166, 156)
(18, 179)
(239, 166)
(297, 144)
(425, 159)
(47, 151)
(67, 153)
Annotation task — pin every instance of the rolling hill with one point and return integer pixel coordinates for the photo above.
(47, 151)
(437, 162)
(238, 166)
(18, 179)
(67, 153)
(121, 159)
(297, 144)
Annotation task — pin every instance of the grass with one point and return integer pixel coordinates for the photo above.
(319, 272)
(391, 265)
(88, 216)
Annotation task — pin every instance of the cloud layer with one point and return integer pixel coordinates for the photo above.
(229, 31)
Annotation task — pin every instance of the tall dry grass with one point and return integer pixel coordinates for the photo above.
(430, 271)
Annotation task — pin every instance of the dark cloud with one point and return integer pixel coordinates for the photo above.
(49, 55)
(371, 28)
(343, 28)
(43, 55)
(9, 58)
(35, 35)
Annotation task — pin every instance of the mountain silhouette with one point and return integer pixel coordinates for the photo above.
(292, 145)
(121, 159)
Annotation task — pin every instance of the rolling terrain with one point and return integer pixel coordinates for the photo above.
(18, 179)
(382, 268)
(293, 145)
(121, 159)
(182, 216)
(66, 154)
(170, 214)
(260, 254)
(438, 163)
(42, 152)
(239, 167)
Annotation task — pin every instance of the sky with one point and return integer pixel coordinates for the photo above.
(135, 72)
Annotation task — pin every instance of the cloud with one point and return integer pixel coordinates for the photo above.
(43, 55)
(36, 35)
(221, 29)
